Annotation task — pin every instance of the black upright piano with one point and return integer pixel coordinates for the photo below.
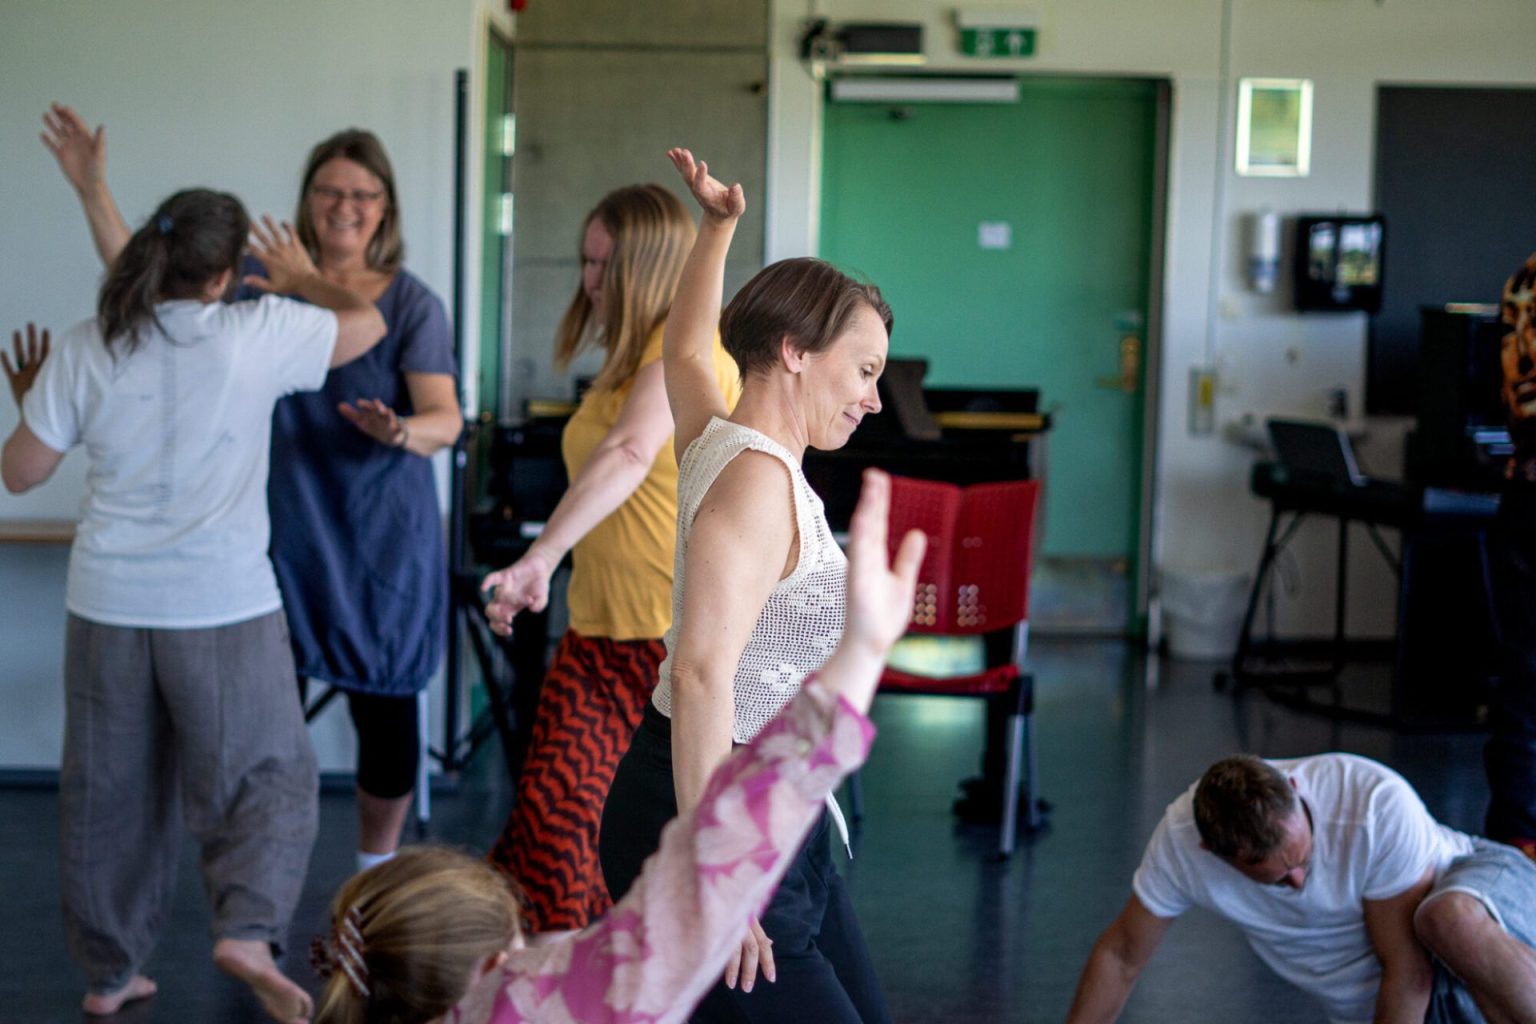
(958, 435)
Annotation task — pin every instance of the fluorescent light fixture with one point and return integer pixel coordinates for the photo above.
(880, 60)
(925, 90)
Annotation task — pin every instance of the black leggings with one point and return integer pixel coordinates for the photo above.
(388, 743)
(821, 962)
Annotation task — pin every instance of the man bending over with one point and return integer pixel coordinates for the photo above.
(1344, 885)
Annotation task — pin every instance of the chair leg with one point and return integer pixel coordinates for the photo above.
(1011, 786)
(1031, 793)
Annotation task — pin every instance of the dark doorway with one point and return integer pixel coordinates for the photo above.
(1457, 187)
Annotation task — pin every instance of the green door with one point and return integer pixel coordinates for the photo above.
(1013, 241)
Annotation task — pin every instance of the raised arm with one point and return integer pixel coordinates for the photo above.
(688, 342)
(359, 324)
(879, 596)
(82, 156)
(663, 945)
(1115, 964)
(1406, 975)
(617, 467)
(25, 461)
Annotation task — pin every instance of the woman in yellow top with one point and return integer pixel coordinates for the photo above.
(618, 520)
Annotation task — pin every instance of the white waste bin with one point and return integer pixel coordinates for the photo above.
(1203, 612)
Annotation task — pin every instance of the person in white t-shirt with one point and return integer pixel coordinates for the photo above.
(1344, 885)
(179, 703)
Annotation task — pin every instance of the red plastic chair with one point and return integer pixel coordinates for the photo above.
(975, 579)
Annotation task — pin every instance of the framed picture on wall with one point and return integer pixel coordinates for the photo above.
(1274, 127)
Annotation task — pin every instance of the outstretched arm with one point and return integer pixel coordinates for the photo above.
(689, 339)
(879, 595)
(1115, 963)
(616, 469)
(359, 324)
(82, 156)
(665, 942)
(434, 423)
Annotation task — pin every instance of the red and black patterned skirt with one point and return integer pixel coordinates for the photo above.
(591, 703)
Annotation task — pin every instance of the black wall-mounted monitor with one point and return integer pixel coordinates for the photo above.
(1339, 262)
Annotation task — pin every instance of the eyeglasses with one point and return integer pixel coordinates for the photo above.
(336, 195)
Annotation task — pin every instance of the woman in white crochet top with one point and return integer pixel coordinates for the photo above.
(758, 595)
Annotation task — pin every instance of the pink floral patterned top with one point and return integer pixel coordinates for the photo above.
(652, 957)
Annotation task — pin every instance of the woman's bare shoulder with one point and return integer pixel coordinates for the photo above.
(752, 490)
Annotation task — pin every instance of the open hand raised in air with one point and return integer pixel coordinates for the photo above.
(719, 203)
(278, 247)
(879, 588)
(29, 359)
(81, 153)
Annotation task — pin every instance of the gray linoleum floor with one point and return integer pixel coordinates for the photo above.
(956, 936)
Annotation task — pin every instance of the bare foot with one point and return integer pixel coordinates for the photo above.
(250, 960)
(108, 1003)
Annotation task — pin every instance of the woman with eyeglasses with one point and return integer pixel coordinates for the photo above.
(356, 532)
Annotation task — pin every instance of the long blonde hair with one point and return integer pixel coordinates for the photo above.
(652, 234)
(427, 920)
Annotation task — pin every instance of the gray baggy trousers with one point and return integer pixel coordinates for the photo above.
(170, 725)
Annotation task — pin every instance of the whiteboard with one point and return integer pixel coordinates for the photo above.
(219, 94)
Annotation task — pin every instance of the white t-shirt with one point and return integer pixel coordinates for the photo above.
(1372, 839)
(174, 527)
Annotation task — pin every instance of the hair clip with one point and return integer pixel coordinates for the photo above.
(342, 950)
(322, 957)
(164, 224)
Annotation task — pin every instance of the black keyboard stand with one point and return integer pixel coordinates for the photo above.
(498, 717)
(511, 669)
(1286, 670)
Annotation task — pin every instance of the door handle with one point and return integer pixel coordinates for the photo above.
(1129, 378)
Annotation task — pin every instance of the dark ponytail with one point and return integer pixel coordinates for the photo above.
(192, 238)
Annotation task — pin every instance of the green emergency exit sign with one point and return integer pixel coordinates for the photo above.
(997, 42)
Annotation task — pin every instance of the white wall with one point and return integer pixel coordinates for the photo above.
(230, 95)
(1271, 361)
(233, 95)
